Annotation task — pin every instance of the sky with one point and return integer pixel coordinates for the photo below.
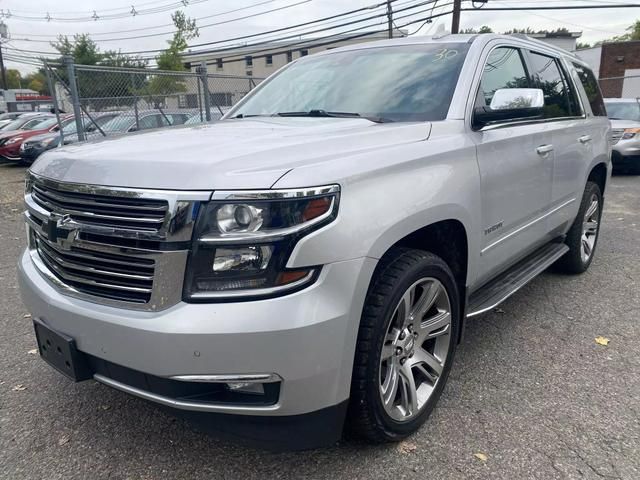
(34, 33)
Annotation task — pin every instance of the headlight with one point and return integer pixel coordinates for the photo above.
(13, 140)
(47, 142)
(243, 240)
(629, 133)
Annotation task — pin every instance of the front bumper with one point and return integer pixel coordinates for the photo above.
(30, 153)
(306, 338)
(629, 160)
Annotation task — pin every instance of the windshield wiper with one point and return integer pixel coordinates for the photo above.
(324, 113)
(245, 115)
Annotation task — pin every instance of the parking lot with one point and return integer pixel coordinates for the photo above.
(531, 394)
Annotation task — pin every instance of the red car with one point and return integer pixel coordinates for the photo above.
(12, 136)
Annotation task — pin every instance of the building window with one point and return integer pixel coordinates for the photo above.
(289, 57)
(219, 63)
(304, 52)
(268, 60)
(221, 99)
(248, 61)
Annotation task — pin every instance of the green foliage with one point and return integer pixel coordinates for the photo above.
(37, 81)
(171, 59)
(482, 29)
(582, 45)
(13, 78)
(101, 88)
(633, 33)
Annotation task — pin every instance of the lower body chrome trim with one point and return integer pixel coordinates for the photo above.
(525, 226)
(184, 404)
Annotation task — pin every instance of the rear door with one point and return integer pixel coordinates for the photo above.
(515, 160)
(570, 138)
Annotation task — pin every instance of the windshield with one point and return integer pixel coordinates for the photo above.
(118, 124)
(45, 123)
(16, 124)
(624, 110)
(402, 83)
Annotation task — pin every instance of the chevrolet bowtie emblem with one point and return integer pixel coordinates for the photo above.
(54, 227)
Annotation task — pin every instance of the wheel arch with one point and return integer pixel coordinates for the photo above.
(599, 174)
(448, 239)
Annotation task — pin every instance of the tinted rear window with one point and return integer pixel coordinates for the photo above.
(591, 87)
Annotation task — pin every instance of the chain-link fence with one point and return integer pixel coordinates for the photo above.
(114, 100)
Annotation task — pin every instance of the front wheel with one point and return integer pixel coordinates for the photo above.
(582, 238)
(406, 343)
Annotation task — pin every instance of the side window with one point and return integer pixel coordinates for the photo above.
(591, 87)
(559, 99)
(178, 118)
(504, 69)
(150, 121)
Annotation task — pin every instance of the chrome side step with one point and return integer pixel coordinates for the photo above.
(498, 290)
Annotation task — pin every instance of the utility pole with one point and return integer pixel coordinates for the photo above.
(390, 18)
(4, 34)
(455, 22)
(4, 73)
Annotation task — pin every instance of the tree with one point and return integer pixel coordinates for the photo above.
(160, 86)
(37, 79)
(582, 46)
(482, 29)
(101, 88)
(36, 85)
(13, 78)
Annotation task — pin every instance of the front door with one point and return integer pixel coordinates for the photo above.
(516, 161)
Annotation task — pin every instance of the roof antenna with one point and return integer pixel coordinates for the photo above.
(440, 32)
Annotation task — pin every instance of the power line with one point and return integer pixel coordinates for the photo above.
(94, 16)
(319, 42)
(223, 22)
(244, 37)
(550, 7)
(247, 7)
(309, 43)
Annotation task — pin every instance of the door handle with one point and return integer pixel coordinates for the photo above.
(585, 139)
(544, 149)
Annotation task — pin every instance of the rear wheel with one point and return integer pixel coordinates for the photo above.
(582, 238)
(406, 343)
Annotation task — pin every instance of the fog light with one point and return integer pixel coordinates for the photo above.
(246, 387)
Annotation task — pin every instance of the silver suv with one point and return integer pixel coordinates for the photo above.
(625, 123)
(313, 258)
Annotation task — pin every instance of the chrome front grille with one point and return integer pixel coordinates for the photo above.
(109, 211)
(616, 135)
(110, 276)
(115, 246)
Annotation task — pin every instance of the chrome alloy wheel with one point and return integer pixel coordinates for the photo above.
(590, 227)
(415, 349)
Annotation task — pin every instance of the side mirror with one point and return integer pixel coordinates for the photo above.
(509, 104)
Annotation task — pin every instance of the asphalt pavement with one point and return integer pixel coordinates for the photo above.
(531, 394)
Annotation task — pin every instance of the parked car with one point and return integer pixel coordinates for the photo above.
(38, 144)
(11, 138)
(314, 257)
(625, 121)
(8, 117)
(147, 119)
(24, 119)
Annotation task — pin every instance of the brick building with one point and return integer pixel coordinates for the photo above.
(617, 66)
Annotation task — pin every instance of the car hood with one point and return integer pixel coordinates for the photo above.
(231, 154)
(624, 124)
(42, 136)
(12, 133)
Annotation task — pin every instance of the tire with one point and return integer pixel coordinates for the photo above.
(577, 259)
(384, 342)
